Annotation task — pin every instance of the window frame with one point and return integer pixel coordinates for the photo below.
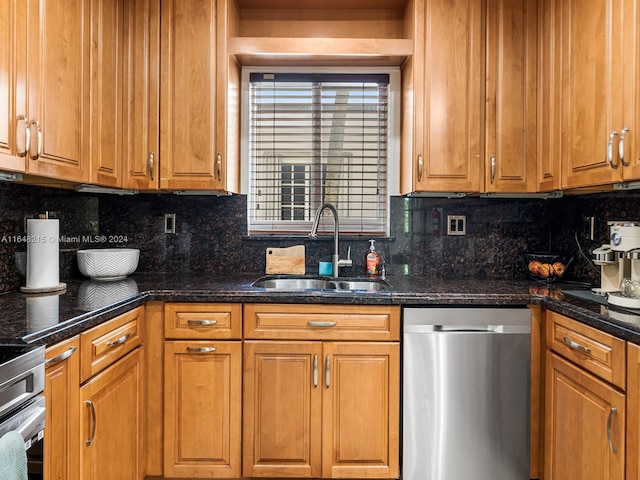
(393, 138)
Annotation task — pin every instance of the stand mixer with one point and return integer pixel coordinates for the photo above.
(622, 265)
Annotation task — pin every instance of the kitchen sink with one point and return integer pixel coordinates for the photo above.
(315, 283)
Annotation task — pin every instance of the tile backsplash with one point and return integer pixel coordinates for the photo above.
(211, 233)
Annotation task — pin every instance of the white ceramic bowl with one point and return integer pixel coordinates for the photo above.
(108, 263)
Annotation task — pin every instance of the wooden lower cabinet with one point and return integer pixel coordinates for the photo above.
(633, 412)
(111, 426)
(321, 409)
(202, 409)
(62, 394)
(584, 424)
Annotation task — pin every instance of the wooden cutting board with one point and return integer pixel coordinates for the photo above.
(289, 260)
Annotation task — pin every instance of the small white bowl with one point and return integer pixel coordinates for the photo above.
(108, 263)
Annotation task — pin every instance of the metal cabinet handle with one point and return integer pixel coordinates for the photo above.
(201, 323)
(62, 357)
(94, 422)
(219, 166)
(612, 412)
(493, 169)
(576, 346)
(27, 135)
(321, 324)
(36, 123)
(152, 157)
(327, 372)
(623, 133)
(315, 371)
(120, 341)
(420, 167)
(612, 136)
(201, 349)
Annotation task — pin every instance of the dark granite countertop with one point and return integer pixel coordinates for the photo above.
(48, 319)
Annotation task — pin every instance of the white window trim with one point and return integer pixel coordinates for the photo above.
(393, 139)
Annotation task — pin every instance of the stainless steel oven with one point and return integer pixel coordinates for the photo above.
(22, 404)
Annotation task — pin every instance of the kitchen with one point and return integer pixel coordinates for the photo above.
(211, 243)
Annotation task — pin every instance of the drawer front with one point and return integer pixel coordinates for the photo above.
(598, 352)
(322, 322)
(105, 344)
(207, 321)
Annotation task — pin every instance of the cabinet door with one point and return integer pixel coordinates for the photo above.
(188, 95)
(9, 158)
(361, 410)
(633, 412)
(57, 79)
(510, 130)
(585, 424)
(107, 28)
(630, 150)
(592, 86)
(62, 393)
(282, 409)
(449, 91)
(202, 409)
(141, 155)
(111, 422)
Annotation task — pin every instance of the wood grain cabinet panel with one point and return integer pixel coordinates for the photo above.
(633, 412)
(62, 394)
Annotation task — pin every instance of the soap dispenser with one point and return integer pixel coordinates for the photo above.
(372, 260)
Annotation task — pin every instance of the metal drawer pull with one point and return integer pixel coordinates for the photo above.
(420, 167)
(623, 133)
(576, 346)
(201, 349)
(315, 371)
(27, 135)
(327, 371)
(493, 169)
(94, 422)
(202, 323)
(152, 157)
(612, 412)
(120, 341)
(39, 138)
(62, 357)
(219, 166)
(321, 324)
(612, 135)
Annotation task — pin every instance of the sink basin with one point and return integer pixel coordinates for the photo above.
(314, 283)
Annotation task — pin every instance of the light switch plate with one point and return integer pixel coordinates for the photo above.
(456, 224)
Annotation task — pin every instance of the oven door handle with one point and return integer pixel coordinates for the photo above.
(29, 427)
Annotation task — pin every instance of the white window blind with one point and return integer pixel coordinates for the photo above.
(318, 138)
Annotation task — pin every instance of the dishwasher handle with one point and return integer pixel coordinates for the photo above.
(502, 329)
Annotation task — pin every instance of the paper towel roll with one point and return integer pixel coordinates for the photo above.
(43, 254)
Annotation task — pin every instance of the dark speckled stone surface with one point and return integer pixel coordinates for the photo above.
(72, 312)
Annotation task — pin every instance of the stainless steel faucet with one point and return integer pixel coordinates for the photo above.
(336, 262)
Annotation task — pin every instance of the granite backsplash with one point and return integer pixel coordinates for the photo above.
(211, 234)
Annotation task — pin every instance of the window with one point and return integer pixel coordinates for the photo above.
(314, 138)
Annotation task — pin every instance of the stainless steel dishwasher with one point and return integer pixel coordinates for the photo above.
(465, 404)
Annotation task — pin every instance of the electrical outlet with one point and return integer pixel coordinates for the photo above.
(589, 227)
(170, 223)
(456, 224)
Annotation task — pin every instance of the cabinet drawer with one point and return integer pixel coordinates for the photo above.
(322, 322)
(598, 352)
(103, 345)
(203, 320)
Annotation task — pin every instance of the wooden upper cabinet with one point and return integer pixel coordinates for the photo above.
(510, 147)
(591, 42)
(195, 89)
(447, 100)
(107, 86)
(9, 151)
(53, 45)
(141, 154)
